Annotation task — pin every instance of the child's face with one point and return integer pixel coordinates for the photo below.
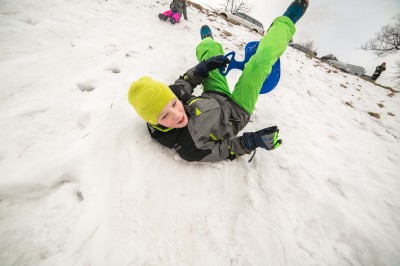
(173, 115)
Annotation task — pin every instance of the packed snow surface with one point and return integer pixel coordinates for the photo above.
(82, 182)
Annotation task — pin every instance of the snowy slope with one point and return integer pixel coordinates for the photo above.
(82, 183)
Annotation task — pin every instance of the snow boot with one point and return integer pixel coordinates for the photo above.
(205, 32)
(172, 20)
(296, 10)
(162, 17)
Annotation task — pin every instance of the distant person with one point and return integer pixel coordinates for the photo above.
(205, 128)
(178, 8)
(378, 71)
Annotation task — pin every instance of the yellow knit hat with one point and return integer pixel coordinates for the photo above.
(149, 97)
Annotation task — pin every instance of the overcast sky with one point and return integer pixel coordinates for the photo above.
(339, 27)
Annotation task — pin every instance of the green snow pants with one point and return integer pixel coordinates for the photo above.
(256, 70)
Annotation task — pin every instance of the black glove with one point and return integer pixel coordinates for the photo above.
(266, 138)
(211, 64)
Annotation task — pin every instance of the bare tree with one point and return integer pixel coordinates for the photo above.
(310, 46)
(387, 41)
(234, 6)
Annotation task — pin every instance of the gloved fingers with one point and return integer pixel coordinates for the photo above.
(222, 60)
(219, 61)
(276, 136)
(224, 64)
(270, 130)
(226, 61)
(211, 65)
(278, 143)
(271, 140)
(217, 57)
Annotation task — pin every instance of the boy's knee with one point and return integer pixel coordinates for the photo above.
(262, 59)
(208, 48)
(176, 16)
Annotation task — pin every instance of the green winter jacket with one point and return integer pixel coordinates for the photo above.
(180, 7)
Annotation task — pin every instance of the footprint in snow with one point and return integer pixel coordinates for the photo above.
(114, 69)
(69, 183)
(85, 86)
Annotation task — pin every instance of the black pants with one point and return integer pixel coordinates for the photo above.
(375, 76)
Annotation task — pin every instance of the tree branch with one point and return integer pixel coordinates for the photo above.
(387, 41)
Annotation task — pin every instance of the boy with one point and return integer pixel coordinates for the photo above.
(204, 128)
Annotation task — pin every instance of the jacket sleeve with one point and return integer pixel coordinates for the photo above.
(226, 149)
(184, 86)
(208, 150)
(172, 6)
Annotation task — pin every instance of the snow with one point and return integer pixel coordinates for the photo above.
(82, 183)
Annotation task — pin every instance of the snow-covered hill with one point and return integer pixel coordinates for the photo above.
(82, 183)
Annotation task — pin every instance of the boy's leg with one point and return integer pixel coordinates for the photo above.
(168, 13)
(161, 16)
(215, 81)
(296, 10)
(176, 16)
(270, 48)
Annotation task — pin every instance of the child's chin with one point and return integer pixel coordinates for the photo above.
(183, 124)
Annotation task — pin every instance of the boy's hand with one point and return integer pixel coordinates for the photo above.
(211, 64)
(216, 62)
(266, 138)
